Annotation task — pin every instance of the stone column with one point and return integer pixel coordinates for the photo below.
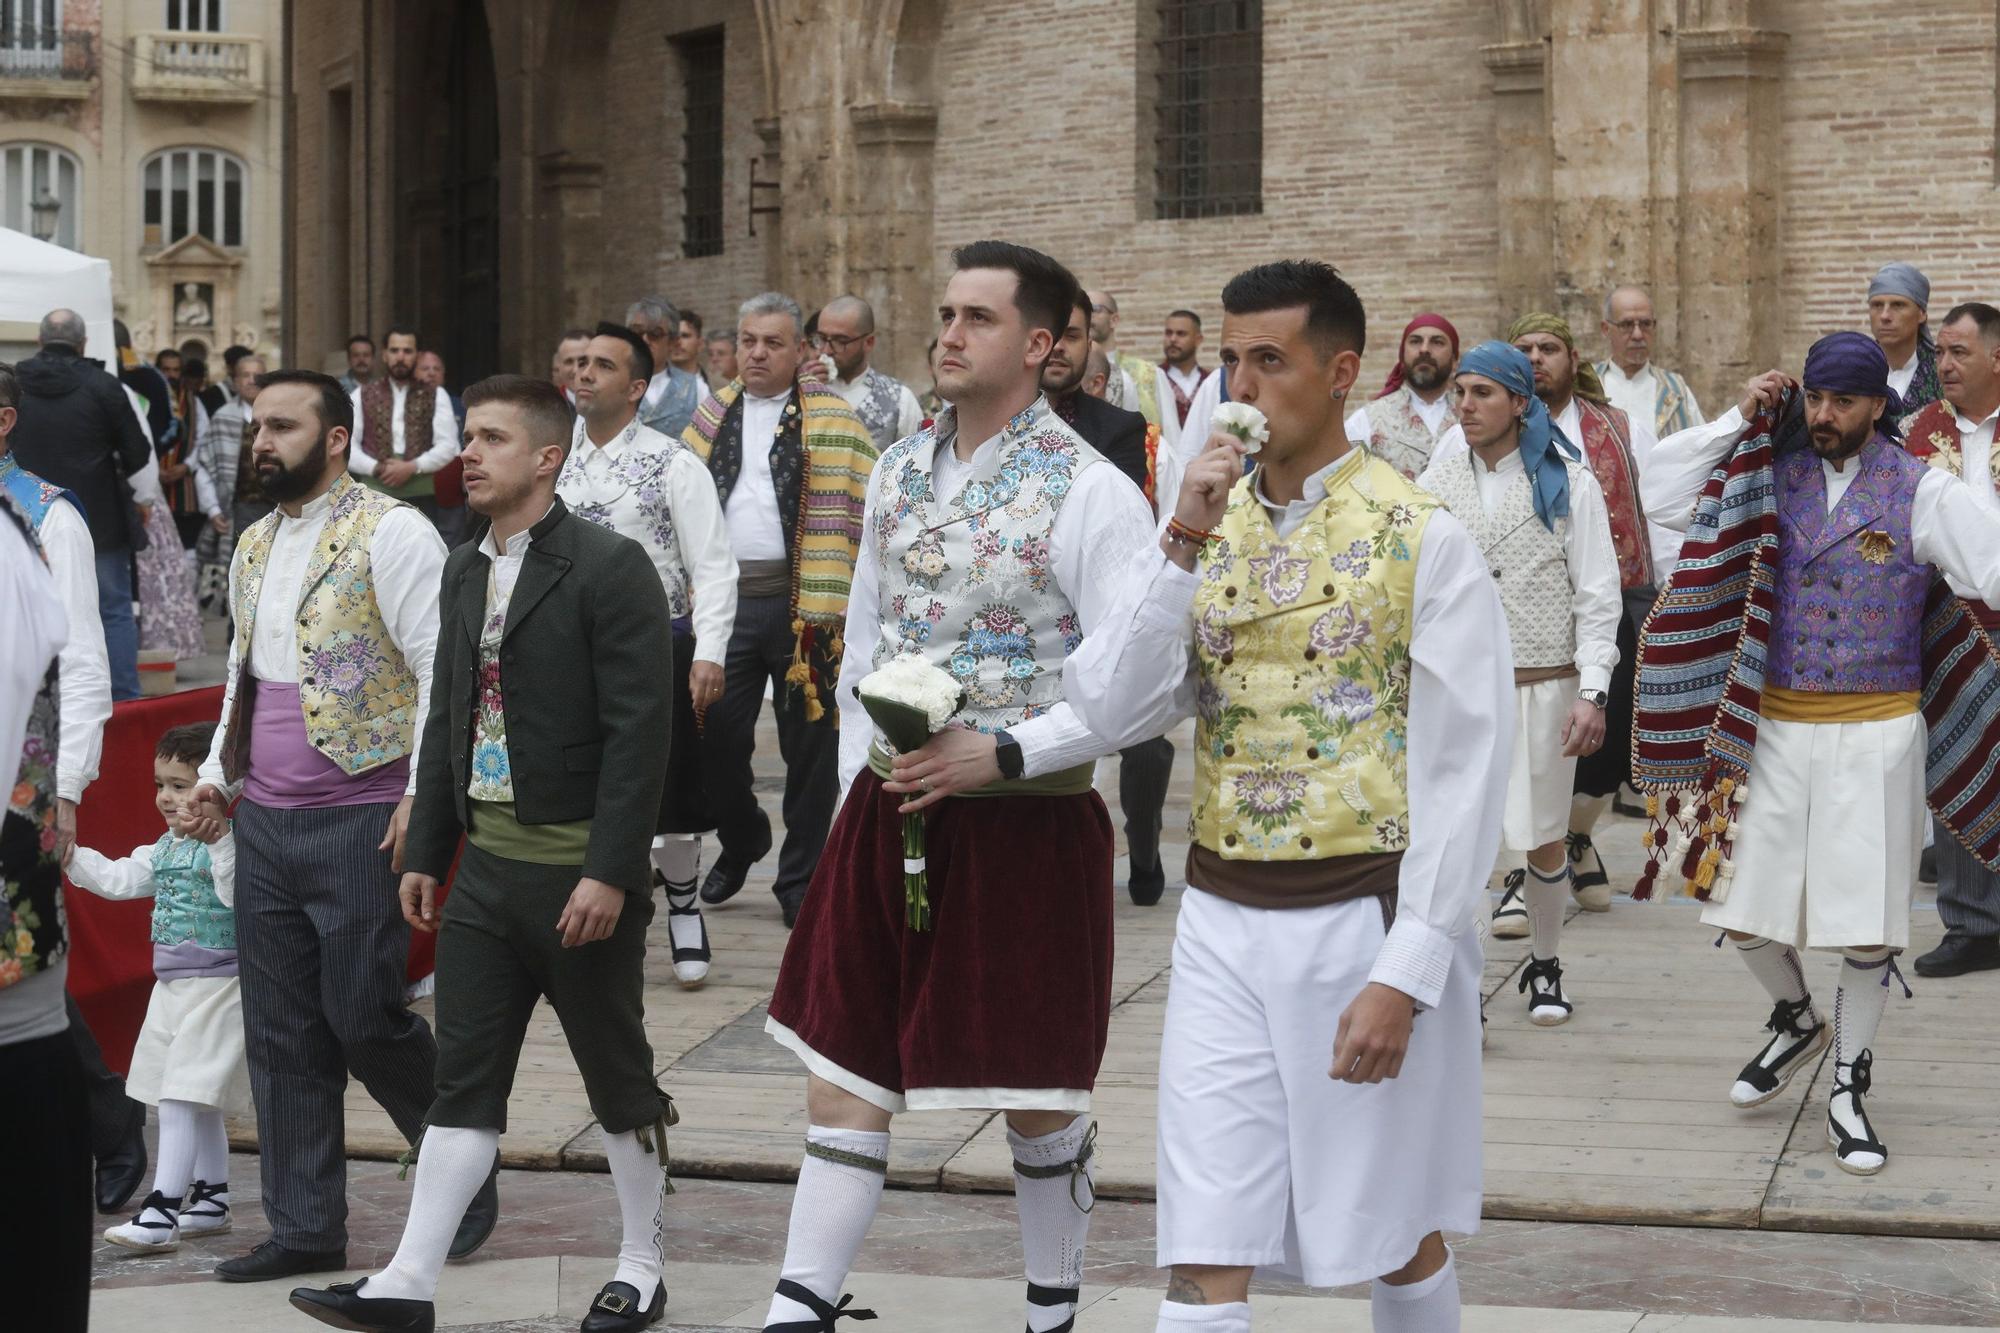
(1729, 259)
(889, 239)
(1519, 64)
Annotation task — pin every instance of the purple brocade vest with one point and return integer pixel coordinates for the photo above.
(1850, 589)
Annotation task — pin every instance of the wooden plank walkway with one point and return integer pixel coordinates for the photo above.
(1619, 1116)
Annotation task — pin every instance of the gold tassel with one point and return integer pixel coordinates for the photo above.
(815, 710)
(1704, 875)
(798, 673)
(798, 625)
(1652, 806)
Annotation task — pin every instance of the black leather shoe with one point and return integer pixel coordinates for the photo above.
(120, 1170)
(617, 1309)
(1958, 954)
(480, 1217)
(1146, 889)
(343, 1306)
(790, 907)
(272, 1260)
(1927, 866)
(724, 881)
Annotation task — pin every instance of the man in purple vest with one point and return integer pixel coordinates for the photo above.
(1831, 821)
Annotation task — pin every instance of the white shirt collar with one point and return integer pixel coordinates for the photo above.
(611, 448)
(1316, 486)
(1615, 373)
(778, 399)
(1966, 424)
(315, 507)
(517, 544)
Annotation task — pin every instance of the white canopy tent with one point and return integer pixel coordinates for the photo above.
(36, 277)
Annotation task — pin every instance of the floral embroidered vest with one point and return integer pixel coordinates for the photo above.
(33, 935)
(1399, 437)
(966, 579)
(492, 777)
(35, 495)
(359, 695)
(186, 908)
(1850, 592)
(1607, 447)
(1303, 648)
(632, 497)
(1932, 435)
(1529, 563)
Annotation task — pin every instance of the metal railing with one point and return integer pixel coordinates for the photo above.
(68, 55)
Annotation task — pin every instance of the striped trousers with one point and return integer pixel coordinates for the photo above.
(1968, 894)
(322, 947)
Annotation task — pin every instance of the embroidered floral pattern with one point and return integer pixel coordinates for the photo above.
(492, 776)
(624, 486)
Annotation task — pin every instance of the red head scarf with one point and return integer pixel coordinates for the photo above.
(1427, 320)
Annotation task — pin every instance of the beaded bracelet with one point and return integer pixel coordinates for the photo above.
(1182, 535)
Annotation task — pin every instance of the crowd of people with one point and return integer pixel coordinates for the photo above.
(496, 661)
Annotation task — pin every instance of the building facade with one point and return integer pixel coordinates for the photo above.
(500, 169)
(154, 128)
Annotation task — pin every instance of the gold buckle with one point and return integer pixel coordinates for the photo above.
(613, 1302)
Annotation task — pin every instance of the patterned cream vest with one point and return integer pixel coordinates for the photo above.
(966, 579)
(633, 496)
(1399, 437)
(1303, 648)
(358, 693)
(1529, 562)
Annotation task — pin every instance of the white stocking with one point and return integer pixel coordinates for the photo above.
(1428, 1306)
(642, 1202)
(840, 1186)
(452, 1164)
(1546, 896)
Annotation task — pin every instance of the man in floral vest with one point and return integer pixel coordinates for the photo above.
(1404, 422)
(992, 542)
(1955, 433)
(1336, 635)
(334, 596)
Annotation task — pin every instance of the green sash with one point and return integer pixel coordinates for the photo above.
(1063, 782)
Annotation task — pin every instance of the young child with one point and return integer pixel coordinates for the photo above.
(189, 1058)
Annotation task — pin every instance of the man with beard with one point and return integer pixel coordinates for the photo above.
(1899, 297)
(1537, 513)
(791, 464)
(334, 596)
(1635, 386)
(546, 758)
(1180, 345)
(1955, 433)
(847, 337)
(404, 430)
(1402, 425)
(1128, 443)
(638, 483)
(1615, 448)
(1793, 679)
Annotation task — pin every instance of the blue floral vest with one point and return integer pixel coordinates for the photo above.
(185, 906)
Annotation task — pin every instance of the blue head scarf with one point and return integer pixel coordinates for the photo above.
(1543, 446)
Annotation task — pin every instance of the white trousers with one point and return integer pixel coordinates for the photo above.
(1541, 778)
(1264, 1160)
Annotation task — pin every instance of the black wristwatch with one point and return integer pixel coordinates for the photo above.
(1595, 698)
(1007, 752)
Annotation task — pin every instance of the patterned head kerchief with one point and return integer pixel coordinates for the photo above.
(1543, 447)
(1588, 386)
(1850, 362)
(1426, 320)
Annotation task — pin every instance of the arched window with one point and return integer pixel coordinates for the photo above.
(194, 190)
(28, 171)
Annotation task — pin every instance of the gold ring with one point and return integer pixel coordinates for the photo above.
(924, 786)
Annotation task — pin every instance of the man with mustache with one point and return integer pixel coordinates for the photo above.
(405, 432)
(1404, 422)
(1797, 806)
(1955, 433)
(334, 595)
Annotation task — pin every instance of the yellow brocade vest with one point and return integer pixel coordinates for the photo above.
(1303, 648)
(358, 694)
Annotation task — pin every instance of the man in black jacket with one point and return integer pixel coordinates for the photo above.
(546, 747)
(1145, 769)
(77, 429)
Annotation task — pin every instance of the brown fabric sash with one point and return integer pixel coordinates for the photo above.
(1536, 675)
(1293, 884)
(763, 578)
(1607, 448)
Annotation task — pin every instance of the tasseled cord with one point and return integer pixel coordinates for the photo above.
(1695, 832)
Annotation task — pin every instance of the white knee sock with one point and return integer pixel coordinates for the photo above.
(840, 1186)
(1546, 896)
(452, 1164)
(180, 1137)
(1051, 1200)
(1585, 811)
(677, 856)
(1858, 1004)
(1233, 1317)
(211, 1148)
(642, 1203)
(1429, 1306)
(1776, 967)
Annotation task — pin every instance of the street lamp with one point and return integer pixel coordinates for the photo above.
(46, 208)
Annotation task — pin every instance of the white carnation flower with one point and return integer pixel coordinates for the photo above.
(911, 680)
(1243, 421)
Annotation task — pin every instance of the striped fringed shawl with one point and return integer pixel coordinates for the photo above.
(1702, 656)
(833, 492)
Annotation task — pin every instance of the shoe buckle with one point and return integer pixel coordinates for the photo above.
(613, 1303)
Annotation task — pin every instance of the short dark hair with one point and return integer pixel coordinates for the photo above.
(407, 330)
(1187, 315)
(641, 355)
(186, 744)
(690, 317)
(354, 338)
(335, 407)
(1045, 292)
(194, 368)
(1335, 321)
(173, 352)
(574, 335)
(549, 416)
(233, 353)
(120, 335)
(10, 387)
(1082, 307)
(1983, 315)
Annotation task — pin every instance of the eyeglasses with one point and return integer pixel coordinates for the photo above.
(838, 342)
(1631, 326)
(1100, 309)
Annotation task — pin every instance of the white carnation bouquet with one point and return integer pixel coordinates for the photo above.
(911, 700)
(1245, 422)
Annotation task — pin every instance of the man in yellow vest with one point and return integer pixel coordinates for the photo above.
(1338, 639)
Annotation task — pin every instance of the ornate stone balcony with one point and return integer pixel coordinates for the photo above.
(216, 67)
(52, 63)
